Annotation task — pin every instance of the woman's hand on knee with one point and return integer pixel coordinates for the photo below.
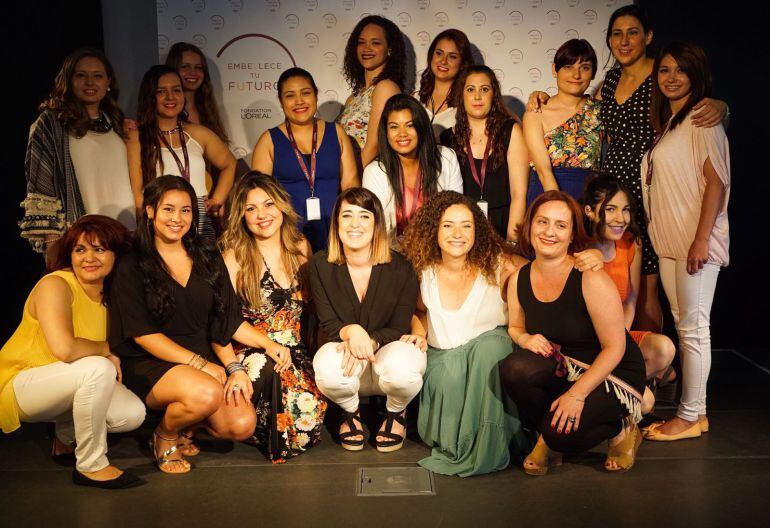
(281, 355)
(359, 343)
(536, 343)
(416, 340)
(238, 386)
(567, 410)
(116, 361)
(215, 371)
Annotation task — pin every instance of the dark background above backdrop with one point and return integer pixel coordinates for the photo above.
(44, 32)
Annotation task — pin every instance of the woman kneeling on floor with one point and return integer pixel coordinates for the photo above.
(578, 375)
(461, 315)
(365, 296)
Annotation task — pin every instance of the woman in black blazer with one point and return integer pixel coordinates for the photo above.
(365, 295)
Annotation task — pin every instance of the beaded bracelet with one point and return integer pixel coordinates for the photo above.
(234, 367)
(197, 361)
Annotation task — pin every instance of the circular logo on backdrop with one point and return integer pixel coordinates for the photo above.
(479, 18)
(199, 40)
(550, 54)
(551, 90)
(273, 5)
(461, 4)
(441, 18)
(553, 17)
(239, 152)
(331, 95)
(217, 22)
(330, 58)
(311, 5)
(235, 5)
(573, 3)
(497, 37)
(534, 74)
(572, 34)
(517, 92)
(497, 4)
(404, 19)
(516, 55)
(292, 21)
(500, 74)
(180, 22)
(198, 5)
(330, 20)
(346, 36)
(386, 4)
(423, 38)
(162, 42)
(161, 6)
(311, 39)
(423, 4)
(516, 17)
(591, 16)
(348, 5)
(535, 3)
(534, 36)
(610, 3)
(364, 15)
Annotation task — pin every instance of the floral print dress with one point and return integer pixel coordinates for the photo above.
(290, 408)
(355, 116)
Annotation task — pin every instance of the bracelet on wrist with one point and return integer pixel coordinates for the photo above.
(234, 367)
(581, 400)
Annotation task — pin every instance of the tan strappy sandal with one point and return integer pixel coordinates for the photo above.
(164, 461)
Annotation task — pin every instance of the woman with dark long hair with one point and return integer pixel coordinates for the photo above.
(165, 144)
(76, 161)
(375, 69)
(489, 143)
(410, 167)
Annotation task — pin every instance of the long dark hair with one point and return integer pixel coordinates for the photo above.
(428, 152)
(204, 95)
(497, 118)
(600, 189)
(629, 10)
(69, 110)
(692, 59)
(395, 67)
(146, 115)
(428, 79)
(155, 273)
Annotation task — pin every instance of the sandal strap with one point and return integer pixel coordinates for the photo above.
(388, 433)
(348, 419)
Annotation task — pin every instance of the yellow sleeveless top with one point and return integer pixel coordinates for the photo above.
(27, 347)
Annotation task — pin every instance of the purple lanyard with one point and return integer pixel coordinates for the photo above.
(476, 176)
(309, 175)
(184, 169)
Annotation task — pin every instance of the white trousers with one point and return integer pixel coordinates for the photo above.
(85, 401)
(690, 297)
(396, 373)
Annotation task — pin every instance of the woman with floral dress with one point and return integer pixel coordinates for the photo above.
(264, 253)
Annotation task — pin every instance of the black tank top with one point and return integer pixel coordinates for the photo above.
(566, 322)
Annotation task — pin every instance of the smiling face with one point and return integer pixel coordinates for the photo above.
(91, 262)
(551, 229)
(456, 231)
(446, 60)
(191, 71)
(617, 216)
(402, 134)
(356, 227)
(674, 83)
(90, 81)
(261, 214)
(573, 79)
(628, 41)
(298, 100)
(477, 95)
(372, 49)
(172, 218)
(169, 97)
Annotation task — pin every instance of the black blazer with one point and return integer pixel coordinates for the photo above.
(387, 309)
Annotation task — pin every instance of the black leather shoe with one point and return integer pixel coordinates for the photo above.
(126, 480)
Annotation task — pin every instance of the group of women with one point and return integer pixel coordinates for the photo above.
(484, 266)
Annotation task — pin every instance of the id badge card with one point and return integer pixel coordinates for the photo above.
(313, 205)
(484, 206)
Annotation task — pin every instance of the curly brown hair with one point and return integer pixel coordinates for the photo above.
(421, 237)
(395, 67)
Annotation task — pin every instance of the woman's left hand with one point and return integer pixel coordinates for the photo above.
(566, 410)
(214, 207)
(238, 383)
(116, 361)
(709, 112)
(590, 259)
(697, 256)
(416, 340)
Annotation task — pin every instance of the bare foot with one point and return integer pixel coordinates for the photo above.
(611, 465)
(397, 429)
(108, 473)
(344, 428)
(167, 454)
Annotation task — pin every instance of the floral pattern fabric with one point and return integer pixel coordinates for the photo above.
(577, 142)
(290, 408)
(355, 116)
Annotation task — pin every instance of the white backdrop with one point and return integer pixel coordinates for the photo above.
(248, 43)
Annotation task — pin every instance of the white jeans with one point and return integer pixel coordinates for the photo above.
(85, 400)
(690, 297)
(396, 373)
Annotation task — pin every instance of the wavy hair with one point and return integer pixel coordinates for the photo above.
(204, 95)
(633, 10)
(421, 237)
(69, 110)
(147, 117)
(498, 116)
(240, 240)
(428, 79)
(155, 274)
(600, 189)
(580, 238)
(395, 66)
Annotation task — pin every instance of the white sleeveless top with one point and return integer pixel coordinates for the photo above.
(197, 164)
(482, 310)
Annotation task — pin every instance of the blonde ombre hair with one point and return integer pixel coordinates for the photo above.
(238, 238)
(365, 199)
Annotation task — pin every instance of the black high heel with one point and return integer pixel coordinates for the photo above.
(125, 480)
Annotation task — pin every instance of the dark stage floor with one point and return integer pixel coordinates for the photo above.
(720, 479)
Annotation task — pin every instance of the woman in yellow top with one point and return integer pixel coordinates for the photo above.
(57, 365)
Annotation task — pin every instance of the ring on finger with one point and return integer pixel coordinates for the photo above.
(571, 419)
(235, 387)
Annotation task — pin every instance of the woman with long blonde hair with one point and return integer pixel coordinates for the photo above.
(264, 254)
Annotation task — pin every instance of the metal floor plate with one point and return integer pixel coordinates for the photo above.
(395, 481)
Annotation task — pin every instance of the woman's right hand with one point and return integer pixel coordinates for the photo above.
(536, 343)
(416, 340)
(215, 371)
(359, 343)
(116, 361)
(280, 354)
(536, 100)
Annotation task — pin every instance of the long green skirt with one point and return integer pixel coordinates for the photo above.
(465, 415)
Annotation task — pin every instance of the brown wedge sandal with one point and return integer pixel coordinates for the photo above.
(541, 459)
(624, 452)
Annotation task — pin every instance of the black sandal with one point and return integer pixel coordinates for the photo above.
(394, 441)
(345, 438)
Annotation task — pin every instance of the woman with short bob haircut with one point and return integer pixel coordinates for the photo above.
(365, 295)
(576, 373)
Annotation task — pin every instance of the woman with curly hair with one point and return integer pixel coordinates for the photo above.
(264, 253)
(375, 68)
(490, 147)
(76, 161)
(463, 266)
(440, 87)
